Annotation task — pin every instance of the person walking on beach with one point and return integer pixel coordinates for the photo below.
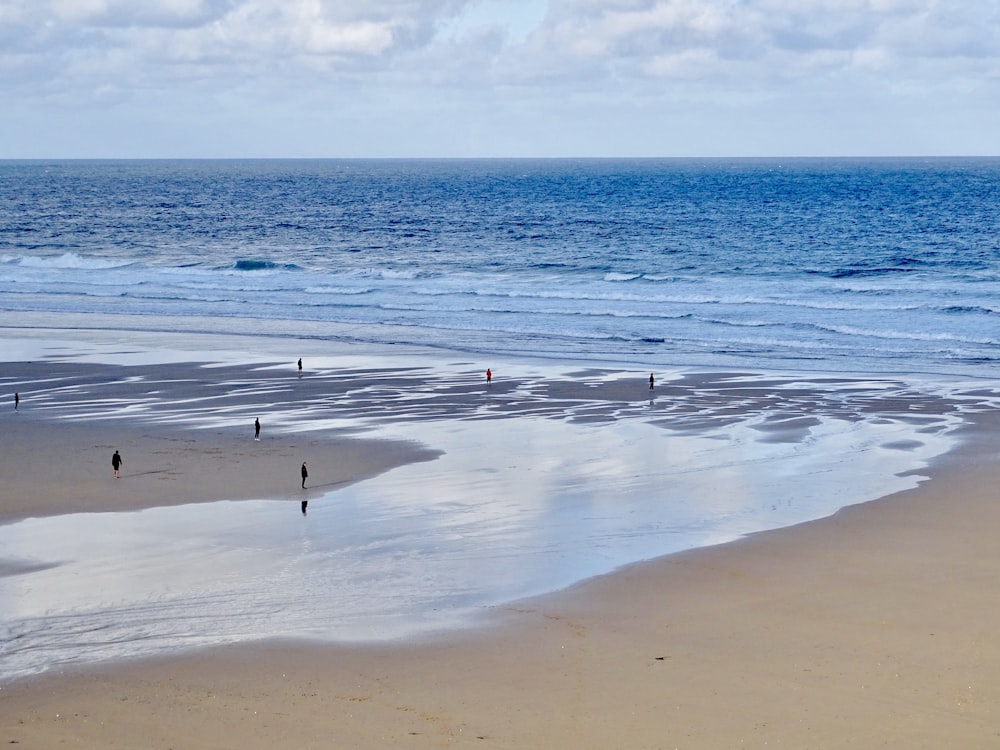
(17, 400)
(489, 376)
(650, 381)
(116, 463)
(256, 429)
(305, 473)
(300, 365)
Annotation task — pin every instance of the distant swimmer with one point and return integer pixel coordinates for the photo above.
(305, 473)
(650, 381)
(256, 429)
(17, 400)
(489, 376)
(116, 463)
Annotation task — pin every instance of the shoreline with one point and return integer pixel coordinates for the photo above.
(870, 625)
(270, 339)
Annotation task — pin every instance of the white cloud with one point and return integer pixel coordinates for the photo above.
(488, 61)
(643, 32)
(110, 13)
(787, 36)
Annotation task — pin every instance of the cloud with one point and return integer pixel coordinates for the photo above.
(219, 29)
(674, 39)
(699, 39)
(124, 13)
(519, 62)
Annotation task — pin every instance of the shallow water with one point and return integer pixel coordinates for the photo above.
(532, 493)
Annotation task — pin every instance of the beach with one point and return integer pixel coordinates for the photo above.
(874, 626)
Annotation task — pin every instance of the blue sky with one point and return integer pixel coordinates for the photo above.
(428, 78)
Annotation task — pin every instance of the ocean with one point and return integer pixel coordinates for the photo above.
(848, 265)
(821, 329)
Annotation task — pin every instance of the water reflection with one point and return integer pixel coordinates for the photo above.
(429, 545)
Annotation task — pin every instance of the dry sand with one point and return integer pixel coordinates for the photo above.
(874, 628)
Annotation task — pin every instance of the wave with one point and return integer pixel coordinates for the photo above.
(671, 278)
(71, 261)
(389, 273)
(252, 264)
(974, 309)
(464, 291)
(565, 312)
(850, 273)
(589, 294)
(351, 291)
(912, 335)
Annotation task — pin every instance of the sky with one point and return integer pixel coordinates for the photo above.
(498, 78)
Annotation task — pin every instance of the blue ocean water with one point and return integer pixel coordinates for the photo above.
(818, 264)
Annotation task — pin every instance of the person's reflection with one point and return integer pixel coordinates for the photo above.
(305, 504)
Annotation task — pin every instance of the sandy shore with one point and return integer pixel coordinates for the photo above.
(50, 473)
(876, 627)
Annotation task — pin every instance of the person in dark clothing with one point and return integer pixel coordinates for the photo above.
(305, 473)
(17, 400)
(300, 364)
(650, 381)
(116, 463)
(256, 429)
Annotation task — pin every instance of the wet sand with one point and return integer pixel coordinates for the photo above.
(875, 627)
